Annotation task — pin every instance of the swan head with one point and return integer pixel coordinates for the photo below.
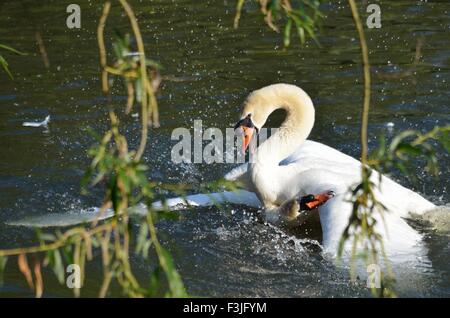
(259, 105)
(256, 109)
(248, 129)
(311, 201)
(262, 102)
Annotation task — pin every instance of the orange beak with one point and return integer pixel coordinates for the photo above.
(320, 199)
(247, 137)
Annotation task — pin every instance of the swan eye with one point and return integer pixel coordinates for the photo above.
(307, 198)
(307, 202)
(247, 122)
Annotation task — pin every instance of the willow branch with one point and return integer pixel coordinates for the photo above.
(62, 241)
(367, 82)
(101, 45)
(144, 78)
(237, 17)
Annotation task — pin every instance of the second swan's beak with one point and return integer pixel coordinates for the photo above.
(311, 202)
(247, 137)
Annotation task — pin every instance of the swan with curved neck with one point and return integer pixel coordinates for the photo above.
(292, 133)
(287, 166)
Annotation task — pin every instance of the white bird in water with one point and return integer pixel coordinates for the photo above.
(43, 123)
(290, 175)
(287, 167)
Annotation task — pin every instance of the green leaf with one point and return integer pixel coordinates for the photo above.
(175, 283)
(444, 139)
(287, 33)
(67, 254)
(154, 64)
(56, 263)
(8, 48)
(312, 35)
(3, 261)
(274, 6)
(122, 176)
(301, 34)
(432, 164)
(399, 138)
(408, 149)
(3, 62)
(138, 89)
(141, 240)
(5, 66)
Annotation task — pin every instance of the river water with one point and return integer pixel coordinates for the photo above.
(226, 251)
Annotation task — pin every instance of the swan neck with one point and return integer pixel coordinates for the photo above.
(292, 132)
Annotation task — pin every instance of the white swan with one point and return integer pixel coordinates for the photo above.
(288, 166)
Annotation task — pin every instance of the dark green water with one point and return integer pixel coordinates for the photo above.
(217, 254)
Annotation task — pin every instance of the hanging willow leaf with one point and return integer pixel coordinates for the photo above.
(237, 17)
(176, 285)
(10, 49)
(399, 138)
(25, 269)
(39, 282)
(5, 66)
(56, 263)
(304, 13)
(3, 261)
(155, 278)
(287, 33)
(444, 138)
(301, 34)
(405, 148)
(3, 62)
(142, 238)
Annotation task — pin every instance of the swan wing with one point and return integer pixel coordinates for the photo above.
(241, 197)
(319, 163)
(237, 172)
(313, 149)
(240, 175)
(401, 241)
